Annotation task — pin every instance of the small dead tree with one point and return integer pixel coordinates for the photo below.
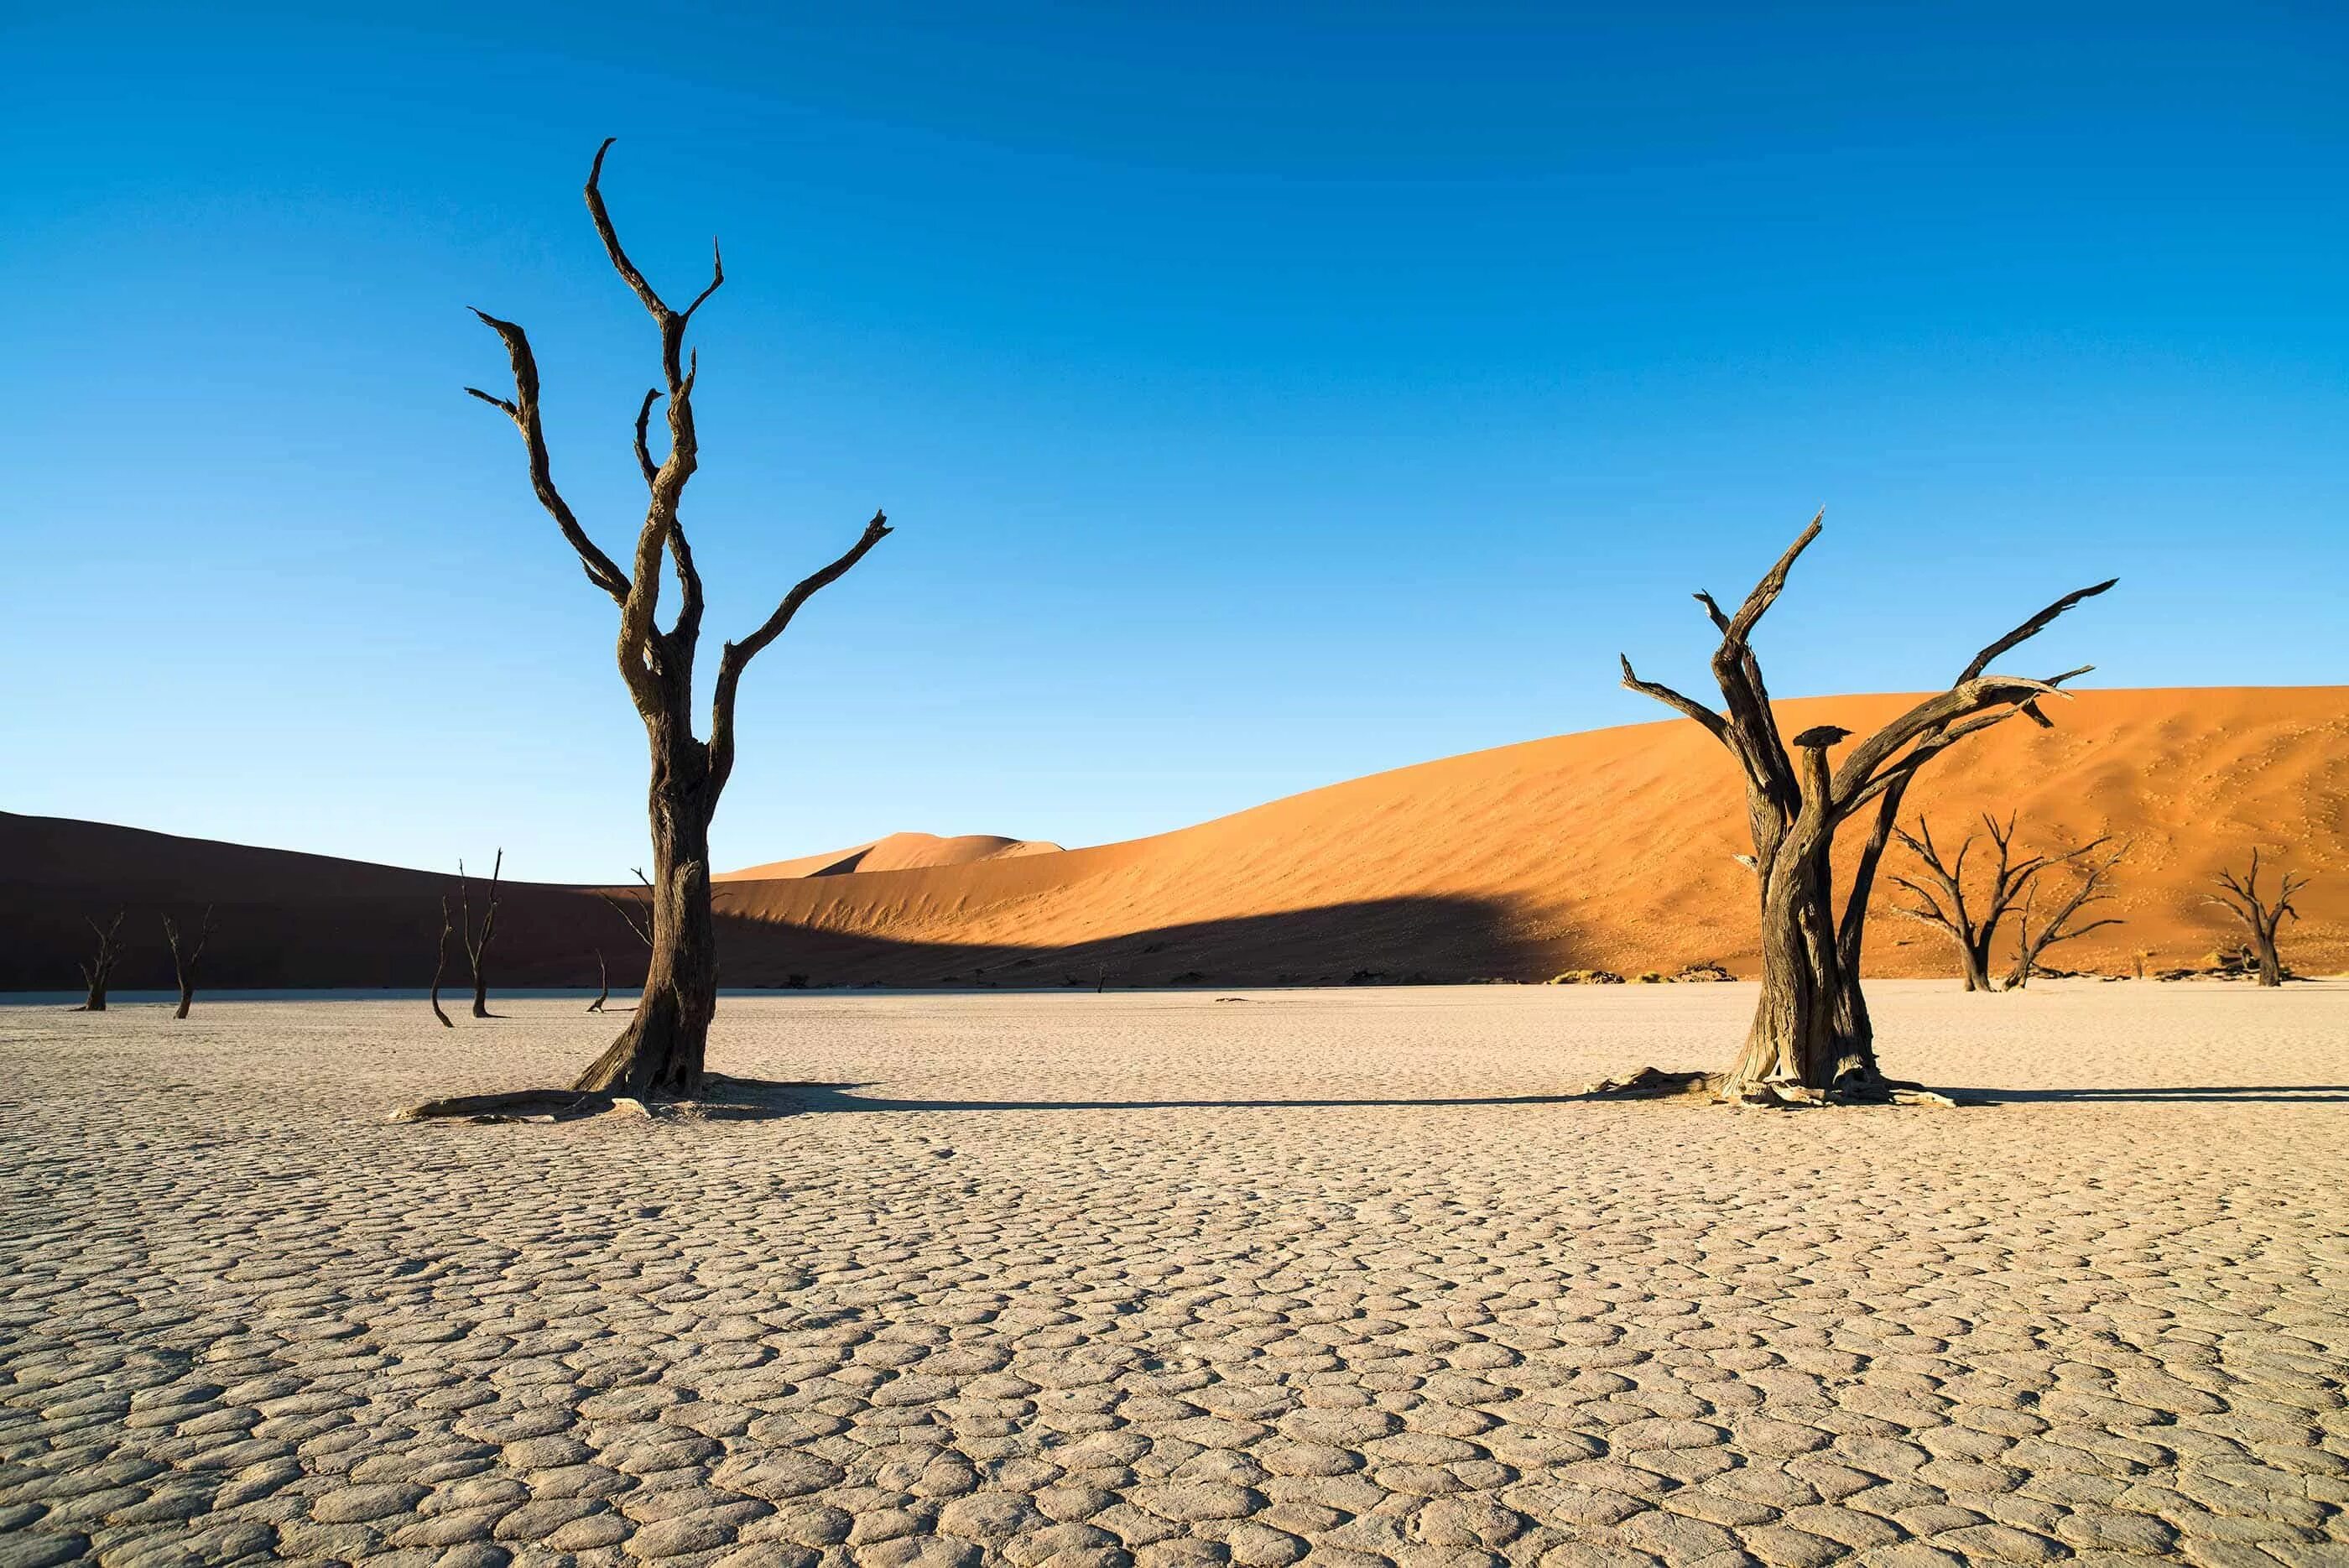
(1811, 1033)
(1943, 902)
(636, 923)
(2241, 897)
(440, 963)
(184, 956)
(477, 943)
(101, 964)
(2091, 875)
(661, 1052)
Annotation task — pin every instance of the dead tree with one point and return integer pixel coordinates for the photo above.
(477, 944)
(1943, 902)
(440, 963)
(1942, 895)
(636, 923)
(2241, 897)
(661, 1052)
(1811, 1033)
(101, 964)
(2088, 887)
(184, 957)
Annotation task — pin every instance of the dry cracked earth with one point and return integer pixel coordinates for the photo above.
(1330, 1278)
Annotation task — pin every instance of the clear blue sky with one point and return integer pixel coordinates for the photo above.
(1265, 394)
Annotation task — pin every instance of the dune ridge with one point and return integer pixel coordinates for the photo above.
(1609, 849)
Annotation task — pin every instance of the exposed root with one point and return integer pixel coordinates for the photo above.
(514, 1106)
(1651, 1084)
(1655, 1084)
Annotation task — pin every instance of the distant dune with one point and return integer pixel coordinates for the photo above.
(1607, 849)
(898, 852)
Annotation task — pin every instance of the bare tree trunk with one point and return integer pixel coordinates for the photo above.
(95, 972)
(477, 946)
(440, 965)
(661, 1053)
(184, 957)
(2241, 897)
(603, 983)
(1811, 1033)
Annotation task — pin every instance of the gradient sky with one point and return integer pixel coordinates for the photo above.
(1265, 396)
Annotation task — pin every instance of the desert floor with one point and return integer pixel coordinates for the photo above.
(1070, 1277)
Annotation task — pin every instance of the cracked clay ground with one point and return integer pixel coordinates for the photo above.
(1062, 1280)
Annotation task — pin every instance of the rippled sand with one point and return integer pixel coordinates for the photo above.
(1328, 1276)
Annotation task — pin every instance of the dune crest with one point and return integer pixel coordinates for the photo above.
(897, 852)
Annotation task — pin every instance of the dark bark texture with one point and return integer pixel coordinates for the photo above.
(661, 1052)
(440, 965)
(1811, 1035)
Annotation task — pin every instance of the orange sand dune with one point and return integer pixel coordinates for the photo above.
(898, 852)
(1612, 849)
(1609, 849)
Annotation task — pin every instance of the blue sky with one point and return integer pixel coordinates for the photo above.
(1265, 396)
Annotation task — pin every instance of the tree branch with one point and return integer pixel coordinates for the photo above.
(736, 656)
(524, 410)
(1687, 706)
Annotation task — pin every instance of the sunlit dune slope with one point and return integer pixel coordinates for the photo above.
(1613, 850)
(1609, 849)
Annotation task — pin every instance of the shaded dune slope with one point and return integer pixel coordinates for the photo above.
(1607, 849)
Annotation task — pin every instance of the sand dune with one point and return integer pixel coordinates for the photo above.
(1613, 850)
(897, 852)
(1609, 849)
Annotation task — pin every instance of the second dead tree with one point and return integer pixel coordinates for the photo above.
(184, 955)
(477, 945)
(440, 963)
(101, 964)
(636, 923)
(2089, 889)
(1974, 930)
(2241, 897)
(1811, 1033)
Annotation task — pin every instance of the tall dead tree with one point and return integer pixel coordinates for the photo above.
(2241, 897)
(1811, 1033)
(101, 964)
(636, 923)
(477, 943)
(440, 962)
(184, 957)
(2090, 873)
(661, 1052)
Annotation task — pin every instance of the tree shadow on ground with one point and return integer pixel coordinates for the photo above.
(730, 1098)
(2198, 1094)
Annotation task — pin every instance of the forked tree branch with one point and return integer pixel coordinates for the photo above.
(735, 656)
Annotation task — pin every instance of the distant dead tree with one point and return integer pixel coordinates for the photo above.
(2090, 873)
(101, 964)
(636, 923)
(1941, 896)
(2241, 897)
(661, 1052)
(440, 962)
(185, 955)
(477, 943)
(1811, 1033)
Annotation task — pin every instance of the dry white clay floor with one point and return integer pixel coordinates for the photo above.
(1330, 1277)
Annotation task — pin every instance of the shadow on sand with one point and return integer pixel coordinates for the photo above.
(2198, 1094)
(753, 1098)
